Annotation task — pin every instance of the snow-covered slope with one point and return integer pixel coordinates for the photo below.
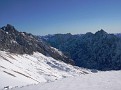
(109, 80)
(20, 70)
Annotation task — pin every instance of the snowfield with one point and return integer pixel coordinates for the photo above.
(39, 72)
(109, 80)
(21, 70)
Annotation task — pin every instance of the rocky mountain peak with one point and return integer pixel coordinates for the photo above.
(14, 41)
(9, 29)
(101, 32)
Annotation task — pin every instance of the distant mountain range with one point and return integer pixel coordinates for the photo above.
(28, 59)
(100, 51)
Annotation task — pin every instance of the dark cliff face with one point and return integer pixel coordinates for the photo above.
(14, 41)
(18, 42)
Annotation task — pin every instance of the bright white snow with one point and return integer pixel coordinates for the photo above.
(21, 70)
(109, 80)
(57, 51)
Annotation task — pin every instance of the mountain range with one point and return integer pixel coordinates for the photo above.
(100, 51)
(14, 41)
(25, 59)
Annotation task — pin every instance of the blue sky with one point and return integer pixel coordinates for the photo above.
(41, 17)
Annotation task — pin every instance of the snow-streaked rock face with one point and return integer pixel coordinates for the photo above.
(21, 70)
(57, 51)
(109, 80)
(17, 42)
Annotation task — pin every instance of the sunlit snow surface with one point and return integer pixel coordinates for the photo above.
(21, 70)
(109, 80)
